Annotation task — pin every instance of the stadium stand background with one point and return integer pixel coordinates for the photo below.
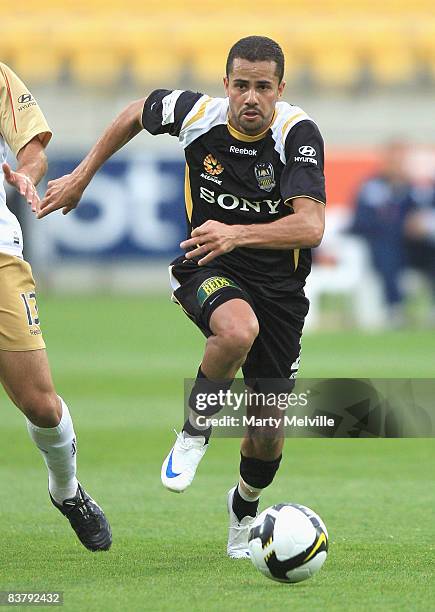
(364, 70)
(330, 43)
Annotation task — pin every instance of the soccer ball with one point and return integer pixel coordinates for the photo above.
(288, 542)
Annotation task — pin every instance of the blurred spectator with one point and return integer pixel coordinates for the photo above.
(382, 205)
(419, 232)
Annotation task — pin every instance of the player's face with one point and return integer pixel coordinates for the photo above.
(253, 90)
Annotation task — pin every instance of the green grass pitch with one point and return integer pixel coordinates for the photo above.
(120, 365)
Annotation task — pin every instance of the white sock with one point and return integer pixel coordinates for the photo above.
(193, 420)
(58, 447)
(248, 493)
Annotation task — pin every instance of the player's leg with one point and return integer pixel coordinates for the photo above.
(221, 309)
(27, 379)
(25, 375)
(270, 368)
(234, 328)
(260, 457)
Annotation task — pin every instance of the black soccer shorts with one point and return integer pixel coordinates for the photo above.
(275, 354)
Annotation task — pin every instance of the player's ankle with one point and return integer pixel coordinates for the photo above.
(193, 432)
(241, 507)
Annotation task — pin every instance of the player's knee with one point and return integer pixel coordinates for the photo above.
(237, 339)
(42, 408)
(257, 472)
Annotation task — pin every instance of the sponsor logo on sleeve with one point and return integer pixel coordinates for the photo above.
(25, 101)
(307, 155)
(307, 151)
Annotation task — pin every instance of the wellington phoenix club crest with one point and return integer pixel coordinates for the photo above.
(265, 176)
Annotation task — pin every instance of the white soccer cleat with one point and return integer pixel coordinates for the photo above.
(237, 547)
(179, 467)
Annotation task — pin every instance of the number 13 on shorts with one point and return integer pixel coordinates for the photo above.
(29, 300)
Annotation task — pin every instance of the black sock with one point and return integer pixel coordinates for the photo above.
(204, 386)
(242, 508)
(192, 431)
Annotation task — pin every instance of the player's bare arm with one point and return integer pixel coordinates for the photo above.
(32, 165)
(304, 229)
(66, 191)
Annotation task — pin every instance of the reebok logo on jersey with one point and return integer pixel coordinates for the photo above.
(243, 151)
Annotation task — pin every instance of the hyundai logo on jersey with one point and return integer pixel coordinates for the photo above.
(307, 151)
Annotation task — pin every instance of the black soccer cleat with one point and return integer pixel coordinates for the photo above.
(87, 519)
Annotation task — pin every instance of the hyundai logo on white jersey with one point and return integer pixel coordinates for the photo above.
(307, 151)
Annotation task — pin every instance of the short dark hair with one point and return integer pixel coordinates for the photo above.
(257, 49)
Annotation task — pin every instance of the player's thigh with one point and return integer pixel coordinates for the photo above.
(275, 354)
(204, 291)
(26, 377)
(269, 371)
(19, 320)
(24, 369)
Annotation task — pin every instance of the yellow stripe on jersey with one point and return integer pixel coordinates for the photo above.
(199, 115)
(287, 123)
(287, 201)
(188, 194)
(296, 258)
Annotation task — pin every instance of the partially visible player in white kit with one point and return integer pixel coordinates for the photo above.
(24, 368)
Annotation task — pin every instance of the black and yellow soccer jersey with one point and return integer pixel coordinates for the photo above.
(238, 179)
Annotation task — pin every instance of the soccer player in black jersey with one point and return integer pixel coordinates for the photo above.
(254, 197)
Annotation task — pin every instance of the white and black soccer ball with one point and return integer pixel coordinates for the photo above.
(288, 542)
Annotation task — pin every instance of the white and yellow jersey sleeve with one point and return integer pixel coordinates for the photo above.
(184, 114)
(21, 120)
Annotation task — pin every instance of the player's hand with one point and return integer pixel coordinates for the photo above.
(64, 192)
(24, 185)
(211, 238)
